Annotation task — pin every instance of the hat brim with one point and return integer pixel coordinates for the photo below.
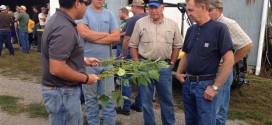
(154, 4)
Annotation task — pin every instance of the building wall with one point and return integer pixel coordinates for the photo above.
(249, 17)
(115, 5)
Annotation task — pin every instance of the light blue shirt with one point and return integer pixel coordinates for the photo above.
(103, 21)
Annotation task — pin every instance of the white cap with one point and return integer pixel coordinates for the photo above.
(3, 7)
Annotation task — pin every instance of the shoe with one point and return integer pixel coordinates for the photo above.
(119, 110)
(137, 109)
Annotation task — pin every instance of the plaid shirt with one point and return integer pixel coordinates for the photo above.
(239, 38)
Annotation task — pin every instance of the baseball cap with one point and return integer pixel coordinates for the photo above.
(137, 3)
(156, 3)
(3, 7)
(23, 7)
(215, 4)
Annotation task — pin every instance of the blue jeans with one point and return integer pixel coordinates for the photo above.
(223, 99)
(91, 93)
(198, 111)
(126, 91)
(63, 105)
(23, 38)
(5, 36)
(164, 92)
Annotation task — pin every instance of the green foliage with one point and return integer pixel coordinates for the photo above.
(140, 72)
(37, 110)
(9, 104)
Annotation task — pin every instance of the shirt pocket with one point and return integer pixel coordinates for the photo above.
(106, 26)
(205, 48)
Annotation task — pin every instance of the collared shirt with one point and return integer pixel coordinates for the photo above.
(156, 40)
(239, 38)
(205, 46)
(60, 41)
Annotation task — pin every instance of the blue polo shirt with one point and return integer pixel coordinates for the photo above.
(205, 46)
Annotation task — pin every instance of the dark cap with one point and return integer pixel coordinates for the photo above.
(215, 4)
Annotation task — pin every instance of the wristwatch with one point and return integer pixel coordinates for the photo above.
(215, 88)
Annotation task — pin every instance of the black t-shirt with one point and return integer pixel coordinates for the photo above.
(60, 41)
(206, 45)
(35, 17)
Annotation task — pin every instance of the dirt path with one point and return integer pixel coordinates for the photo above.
(30, 93)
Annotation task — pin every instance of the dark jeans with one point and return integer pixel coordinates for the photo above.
(5, 36)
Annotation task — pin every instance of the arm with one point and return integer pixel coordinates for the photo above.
(63, 71)
(89, 34)
(181, 68)
(125, 46)
(241, 53)
(174, 55)
(123, 34)
(223, 73)
(113, 37)
(134, 53)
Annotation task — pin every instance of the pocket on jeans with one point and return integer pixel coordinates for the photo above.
(51, 101)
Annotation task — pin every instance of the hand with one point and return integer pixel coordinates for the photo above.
(181, 77)
(92, 62)
(92, 79)
(210, 93)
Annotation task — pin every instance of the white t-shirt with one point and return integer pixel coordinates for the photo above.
(42, 16)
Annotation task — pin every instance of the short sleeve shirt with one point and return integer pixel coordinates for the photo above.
(131, 23)
(23, 21)
(156, 41)
(103, 21)
(239, 38)
(205, 46)
(60, 41)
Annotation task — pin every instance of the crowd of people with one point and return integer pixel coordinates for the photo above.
(81, 33)
(20, 28)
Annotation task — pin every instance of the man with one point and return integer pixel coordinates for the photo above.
(242, 45)
(35, 18)
(205, 44)
(99, 29)
(22, 19)
(137, 8)
(5, 35)
(123, 15)
(42, 17)
(48, 12)
(157, 37)
(64, 65)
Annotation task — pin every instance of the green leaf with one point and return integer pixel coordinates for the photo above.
(125, 97)
(121, 102)
(154, 74)
(118, 81)
(104, 99)
(126, 83)
(116, 96)
(121, 72)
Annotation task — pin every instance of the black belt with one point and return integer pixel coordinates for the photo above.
(166, 60)
(193, 78)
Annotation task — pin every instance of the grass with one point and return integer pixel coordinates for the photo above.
(10, 105)
(27, 66)
(251, 102)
